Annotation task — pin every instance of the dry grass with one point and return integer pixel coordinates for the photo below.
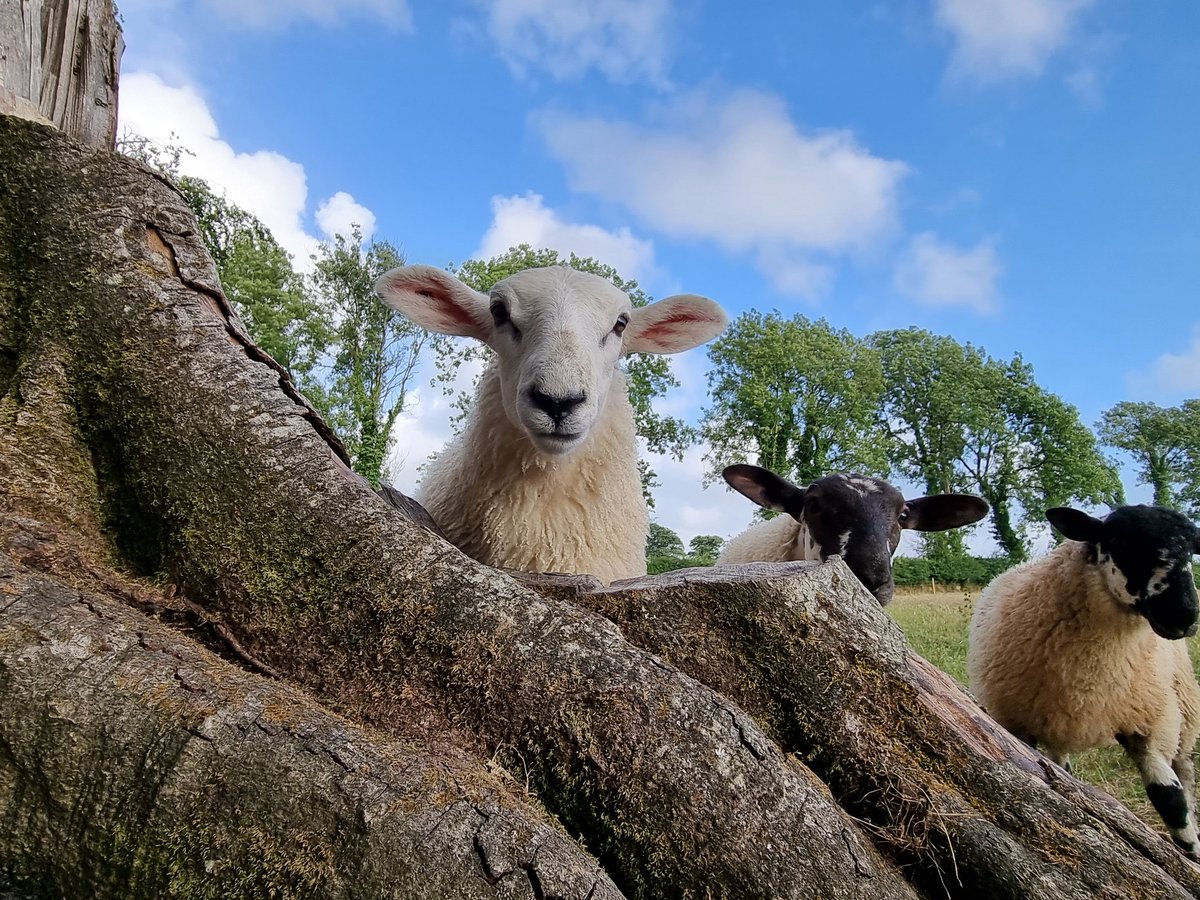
(936, 627)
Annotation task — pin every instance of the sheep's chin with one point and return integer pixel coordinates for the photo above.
(553, 444)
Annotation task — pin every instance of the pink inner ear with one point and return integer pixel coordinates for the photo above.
(666, 327)
(448, 309)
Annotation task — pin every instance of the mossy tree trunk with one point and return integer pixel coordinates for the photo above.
(725, 733)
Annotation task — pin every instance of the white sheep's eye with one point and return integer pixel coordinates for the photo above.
(501, 317)
(622, 321)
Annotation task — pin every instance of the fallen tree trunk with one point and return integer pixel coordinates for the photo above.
(965, 807)
(134, 763)
(138, 422)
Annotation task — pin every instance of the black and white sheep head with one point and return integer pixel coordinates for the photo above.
(858, 517)
(1144, 554)
(557, 333)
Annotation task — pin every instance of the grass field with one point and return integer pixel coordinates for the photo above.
(936, 627)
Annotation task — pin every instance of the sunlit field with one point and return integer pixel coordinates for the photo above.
(936, 627)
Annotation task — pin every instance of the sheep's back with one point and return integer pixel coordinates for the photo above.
(770, 541)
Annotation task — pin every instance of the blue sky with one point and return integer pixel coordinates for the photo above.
(1020, 174)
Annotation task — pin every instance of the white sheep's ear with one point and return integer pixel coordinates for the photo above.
(436, 300)
(674, 324)
(764, 487)
(1075, 525)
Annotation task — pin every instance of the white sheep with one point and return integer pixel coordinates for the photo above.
(1082, 647)
(544, 476)
(858, 517)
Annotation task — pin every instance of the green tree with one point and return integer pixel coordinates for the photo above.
(649, 374)
(1026, 447)
(662, 541)
(928, 388)
(377, 349)
(801, 397)
(705, 548)
(1165, 445)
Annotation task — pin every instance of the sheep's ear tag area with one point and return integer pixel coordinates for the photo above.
(436, 301)
(765, 488)
(674, 324)
(1075, 525)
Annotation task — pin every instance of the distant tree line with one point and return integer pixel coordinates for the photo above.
(803, 399)
(794, 394)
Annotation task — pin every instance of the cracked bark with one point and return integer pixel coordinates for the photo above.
(134, 763)
(967, 809)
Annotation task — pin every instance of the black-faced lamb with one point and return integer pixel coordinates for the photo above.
(1083, 647)
(858, 517)
(544, 476)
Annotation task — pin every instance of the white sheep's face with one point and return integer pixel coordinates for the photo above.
(558, 335)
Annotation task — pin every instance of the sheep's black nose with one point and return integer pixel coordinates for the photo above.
(557, 408)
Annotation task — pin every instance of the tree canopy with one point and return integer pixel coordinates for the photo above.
(375, 350)
(1165, 445)
(799, 396)
(1025, 445)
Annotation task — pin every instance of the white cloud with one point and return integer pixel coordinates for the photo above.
(793, 273)
(263, 182)
(938, 275)
(340, 213)
(995, 40)
(426, 424)
(274, 14)
(683, 504)
(527, 220)
(1172, 374)
(623, 39)
(739, 172)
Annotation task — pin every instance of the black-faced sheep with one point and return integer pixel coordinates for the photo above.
(1082, 647)
(858, 517)
(544, 476)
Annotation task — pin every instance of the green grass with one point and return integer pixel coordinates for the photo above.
(936, 627)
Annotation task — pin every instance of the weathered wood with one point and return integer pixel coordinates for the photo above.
(60, 63)
(135, 764)
(966, 807)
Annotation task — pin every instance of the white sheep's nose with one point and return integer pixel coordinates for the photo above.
(557, 408)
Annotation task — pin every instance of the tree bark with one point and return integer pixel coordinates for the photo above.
(963, 806)
(59, 63)
(134, 763)
(141, 430)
